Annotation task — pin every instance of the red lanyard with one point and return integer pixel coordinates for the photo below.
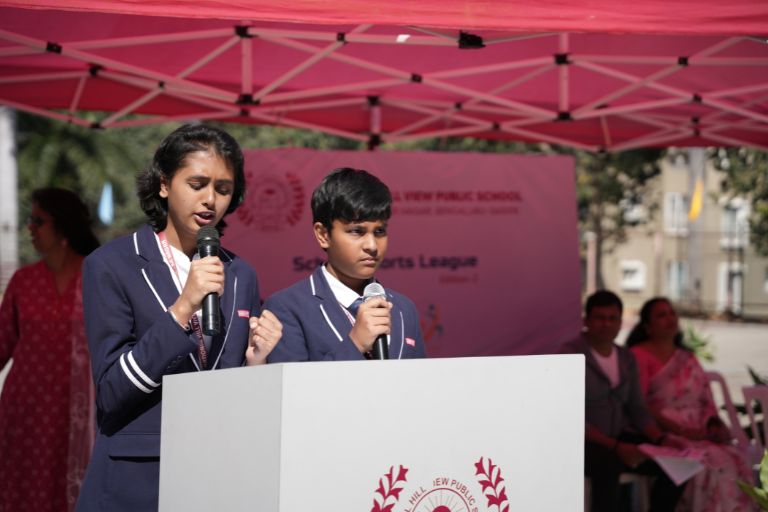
(201, 351)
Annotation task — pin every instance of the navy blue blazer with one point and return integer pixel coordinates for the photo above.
(316, 328)
(134, 342)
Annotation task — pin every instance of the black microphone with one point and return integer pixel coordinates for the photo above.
(380, 348)
(208, 245)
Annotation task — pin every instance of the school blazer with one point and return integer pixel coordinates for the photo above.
(134, 342)
(316, 328)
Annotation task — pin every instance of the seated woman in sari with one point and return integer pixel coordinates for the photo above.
(677, 393)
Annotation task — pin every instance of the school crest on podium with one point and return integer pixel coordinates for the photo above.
(443, 493)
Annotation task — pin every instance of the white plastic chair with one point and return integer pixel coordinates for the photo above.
(641, 490)
(733, 417)
(759, 394)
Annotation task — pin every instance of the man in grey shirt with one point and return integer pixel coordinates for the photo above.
(616, 417)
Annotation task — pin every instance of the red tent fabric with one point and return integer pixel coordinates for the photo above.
(736, 17)
(592, 75)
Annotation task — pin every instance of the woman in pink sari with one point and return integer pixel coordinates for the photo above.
(677, 393)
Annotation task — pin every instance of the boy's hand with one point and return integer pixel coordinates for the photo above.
(266, 331)
(373, 319)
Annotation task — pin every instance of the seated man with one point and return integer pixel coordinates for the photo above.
(616, 417)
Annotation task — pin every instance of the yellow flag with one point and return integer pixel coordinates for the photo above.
(696, 200)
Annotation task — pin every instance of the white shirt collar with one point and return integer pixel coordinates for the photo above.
(344, 294)
(182, 262)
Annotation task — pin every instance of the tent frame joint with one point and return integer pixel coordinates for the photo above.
(468, 41)
(242, 31)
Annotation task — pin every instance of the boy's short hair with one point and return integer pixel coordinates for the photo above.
(601, 299)
(350, 195)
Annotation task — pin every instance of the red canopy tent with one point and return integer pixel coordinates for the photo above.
(593, 75)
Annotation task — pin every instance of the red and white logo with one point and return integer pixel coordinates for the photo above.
(443, 493)
(273, 202)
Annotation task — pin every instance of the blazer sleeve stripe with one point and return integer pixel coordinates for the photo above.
(402, 335)
(328, 320)
(140, 373)
(131, 377)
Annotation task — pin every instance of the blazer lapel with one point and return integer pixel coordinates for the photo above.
(326, 300)
(396, 338)
(226, 310)
(156, 273)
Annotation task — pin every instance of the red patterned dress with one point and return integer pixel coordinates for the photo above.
(680, 391)
(45, 423)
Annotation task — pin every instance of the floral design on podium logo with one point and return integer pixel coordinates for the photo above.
(388, 491)
(491, 481)
(273, 202)
(443, 494)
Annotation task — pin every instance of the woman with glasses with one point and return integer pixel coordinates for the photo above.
(46, 425)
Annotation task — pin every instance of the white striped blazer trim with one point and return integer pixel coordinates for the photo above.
(157, 296)
(328, 321)
(139, 372)
(402, 335)
(130, 376)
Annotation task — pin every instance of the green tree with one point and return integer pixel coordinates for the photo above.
(746, 171)
(608, 187)
(55, 154)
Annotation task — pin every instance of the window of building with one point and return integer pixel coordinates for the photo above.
(765, 281)
(632, 275)
(729, 286)
(734, 224)
(675, 214)
(677, 279)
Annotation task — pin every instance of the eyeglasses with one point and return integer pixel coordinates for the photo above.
(36, 221)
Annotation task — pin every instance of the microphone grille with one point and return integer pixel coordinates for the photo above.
(208, 235)
(373, 290)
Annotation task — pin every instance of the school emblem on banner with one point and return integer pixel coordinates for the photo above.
(273, 202)
(443, 493)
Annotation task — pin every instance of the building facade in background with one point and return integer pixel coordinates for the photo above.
(694, 249)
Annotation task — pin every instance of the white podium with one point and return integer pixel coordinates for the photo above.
(434, 435)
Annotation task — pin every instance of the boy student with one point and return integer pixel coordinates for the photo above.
(323, 316)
